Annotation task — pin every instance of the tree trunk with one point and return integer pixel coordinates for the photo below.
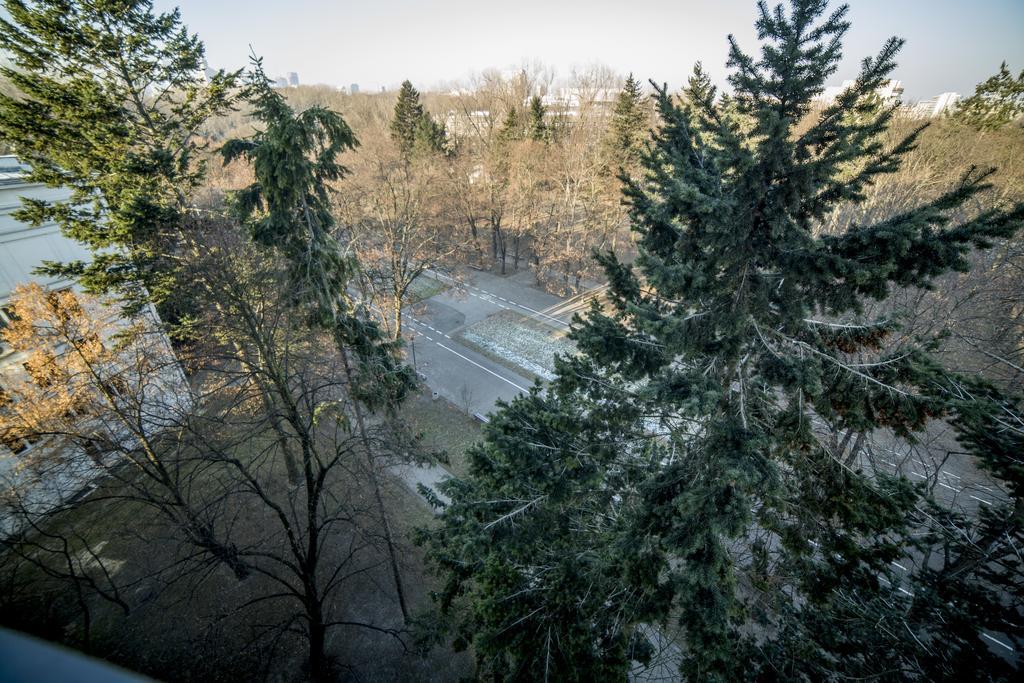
(372, 470)
(225, 552)
(319, 669)
(290, 465)
(397, 313)
(500, 245)
(86, 620)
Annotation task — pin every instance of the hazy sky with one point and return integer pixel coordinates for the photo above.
(951, 44)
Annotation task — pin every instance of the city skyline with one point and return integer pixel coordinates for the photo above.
(950, 46)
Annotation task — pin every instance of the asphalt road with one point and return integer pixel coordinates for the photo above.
(466, 378)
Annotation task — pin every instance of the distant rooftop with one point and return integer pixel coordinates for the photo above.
(11, 170)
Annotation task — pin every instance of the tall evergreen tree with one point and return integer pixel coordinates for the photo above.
(996, 102)
(413, 129)
(287, 208)
(536, 126)
(703, 456)
(407, 117)
(629, 124)
(511, 127)
(108, 100)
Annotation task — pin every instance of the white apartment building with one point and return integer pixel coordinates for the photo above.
(888, 92)
(934, 107)
(571, 100)
(22, 247)
(467, 124)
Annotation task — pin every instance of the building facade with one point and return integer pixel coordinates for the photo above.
(69, 464)
(933, 107)
(889, 92)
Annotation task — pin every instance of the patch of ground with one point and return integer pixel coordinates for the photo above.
(519, 343)
(444, 427)
(424, 287)
(210, 626)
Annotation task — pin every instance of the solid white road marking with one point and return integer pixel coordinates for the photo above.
(531, 310)
(524, 389)
(997, 641)
(470, 360)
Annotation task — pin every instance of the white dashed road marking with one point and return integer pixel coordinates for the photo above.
(501, 298)
(469, 360)
(945, 485)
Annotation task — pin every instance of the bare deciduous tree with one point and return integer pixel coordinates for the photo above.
(397, 226)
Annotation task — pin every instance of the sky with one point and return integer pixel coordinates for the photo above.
(951, 44)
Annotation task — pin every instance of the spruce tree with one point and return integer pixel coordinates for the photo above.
(407, 118)
(996, 102)
(413, 129)
(628, 128)
(703, 457)
(430, 137)
(511, 127)
(107, 100)
(542, 577)
(536, 127)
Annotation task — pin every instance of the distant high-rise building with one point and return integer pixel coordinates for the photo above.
(354, 88)
(293, 79)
